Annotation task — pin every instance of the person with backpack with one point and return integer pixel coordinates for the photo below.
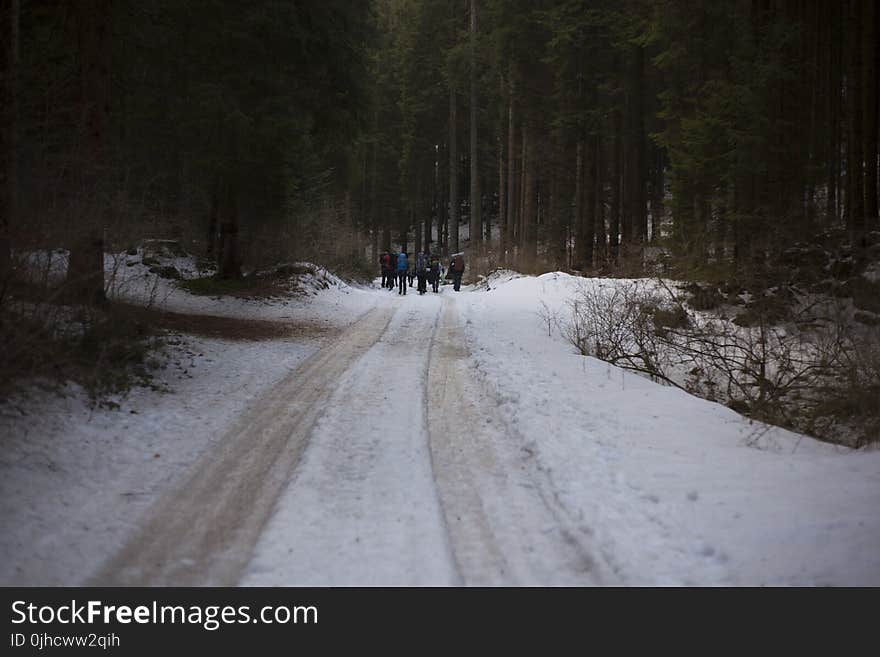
(402, 266)
(422, 271)
(434, 272)
(456, 269)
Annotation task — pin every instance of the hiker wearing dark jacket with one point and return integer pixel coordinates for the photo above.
(402, 266)
(392, 274)
(385, 265)
(434, 272)
(422, 271)
(456, 270)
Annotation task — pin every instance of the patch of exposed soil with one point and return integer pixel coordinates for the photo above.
(230, 328)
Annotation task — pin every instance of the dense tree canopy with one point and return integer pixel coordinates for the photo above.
(556, 133)
(720, 131)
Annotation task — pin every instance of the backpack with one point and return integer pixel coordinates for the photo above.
(421, 262)
(386, 261)
(458, 264)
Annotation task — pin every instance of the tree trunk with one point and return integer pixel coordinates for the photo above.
(614, 219)
(589, 219)
(871, 56)
(417, 226)
(840, 124)
(638, 177)
(475, 196)
(623, 67)
(436, 197)
(374, 215)
(228, 255)
(404, 241)
(813, 37)
(833, 83)
(85, 273)
(352, 221)
(511, 169)
(530, 235)
(213, 214)
(580, 258)
(502, 195)
(657, 191)
(363, 222)
(601, 231)
(520, 229)
(453, 173)
(423, 226)
(9, 20)
(855, 193)
(442, 213)
(558, 242)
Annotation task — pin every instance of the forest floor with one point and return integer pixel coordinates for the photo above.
(353, 436)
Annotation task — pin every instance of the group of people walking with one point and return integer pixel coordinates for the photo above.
(399, 268)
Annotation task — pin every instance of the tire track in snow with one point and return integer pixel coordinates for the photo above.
(362, 508)
(203, 532)
(504, 525)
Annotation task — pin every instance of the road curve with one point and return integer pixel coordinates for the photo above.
(382, 460)
(202, 533)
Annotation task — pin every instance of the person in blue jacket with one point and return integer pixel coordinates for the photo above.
(402, 267)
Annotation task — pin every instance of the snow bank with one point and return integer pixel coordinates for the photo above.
(134, 282)
(671, 486)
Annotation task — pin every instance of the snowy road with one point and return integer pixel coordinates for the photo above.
(380, 461)
(202, 533)
(362, 508)
(505, 524)
(451, 439)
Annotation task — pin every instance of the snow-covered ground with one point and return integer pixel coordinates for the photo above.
(362, 508)
(562, 469)
(75, 479)
(667, 482)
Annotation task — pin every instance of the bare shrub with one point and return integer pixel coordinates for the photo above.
(103, 348)
(850, 403)
(550, 317)
(811, 374)
(616, 323)
(49, 341)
